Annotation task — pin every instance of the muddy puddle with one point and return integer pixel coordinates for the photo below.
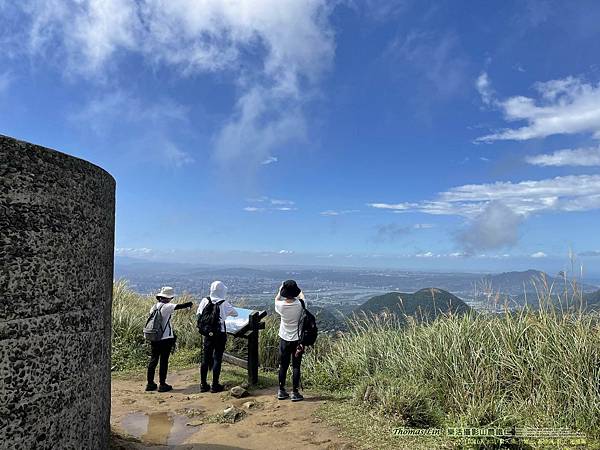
(158, 427)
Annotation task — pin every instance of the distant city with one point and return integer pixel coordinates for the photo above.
(340, 290)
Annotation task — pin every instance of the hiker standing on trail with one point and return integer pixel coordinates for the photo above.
(162, 347)
(288, 305)
(212, 312)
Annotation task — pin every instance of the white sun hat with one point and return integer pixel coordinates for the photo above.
(166, 292)
(218, 290)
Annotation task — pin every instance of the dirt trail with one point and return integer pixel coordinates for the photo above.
(181, 419)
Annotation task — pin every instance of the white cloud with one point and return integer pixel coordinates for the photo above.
(286, 208)
(568, 157)
(333, 213)
(270, 204)
(175, 156)
(281, 202)
(269, 160)
(262, 198)
(276, 51)
(496, 227)
(568, 193)
(285, 252)
(495, 210)
(484, 88)
(133, 252)
(539, 255)
(425, 255)
(393, 206)
(565, 106)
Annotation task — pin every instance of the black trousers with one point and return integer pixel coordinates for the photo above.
(212, 357)
(287, 352)
(161, 350)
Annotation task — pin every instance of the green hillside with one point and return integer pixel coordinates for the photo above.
(327, 320)
(592, 300)
(424, 304)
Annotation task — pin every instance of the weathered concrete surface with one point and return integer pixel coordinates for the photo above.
(56, 272)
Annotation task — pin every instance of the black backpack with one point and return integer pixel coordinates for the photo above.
(209, 321)
(307, 326)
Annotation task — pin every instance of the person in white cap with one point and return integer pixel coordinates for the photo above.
(161, 349)
(214, 346)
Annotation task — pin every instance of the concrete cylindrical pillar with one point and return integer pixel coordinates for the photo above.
(56, 273)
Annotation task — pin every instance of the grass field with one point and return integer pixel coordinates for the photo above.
(532, 368)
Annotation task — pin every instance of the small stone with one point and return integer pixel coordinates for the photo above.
(195, 423)
(249, 405)
(232, 414)
(279, 424)
(239, 392)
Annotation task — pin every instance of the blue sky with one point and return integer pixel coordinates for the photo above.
(429, 135)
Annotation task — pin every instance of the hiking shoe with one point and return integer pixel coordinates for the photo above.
(204, 387)
(165, 387)
(282, 394)
(217, 388)
(151, 387)
(297, 396)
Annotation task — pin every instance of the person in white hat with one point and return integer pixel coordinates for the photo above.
(161, 349)
(214, 346)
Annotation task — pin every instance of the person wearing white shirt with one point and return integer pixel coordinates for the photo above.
(288, 306)
(161, 349)
(214, 346)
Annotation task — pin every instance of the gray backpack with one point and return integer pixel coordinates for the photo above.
(154, 329)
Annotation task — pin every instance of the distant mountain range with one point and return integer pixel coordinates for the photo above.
(592, 300)
(516, 283)
(424, 304)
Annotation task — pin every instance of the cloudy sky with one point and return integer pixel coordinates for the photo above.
(447, 134)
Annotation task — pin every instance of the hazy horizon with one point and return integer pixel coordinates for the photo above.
(265, 260)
